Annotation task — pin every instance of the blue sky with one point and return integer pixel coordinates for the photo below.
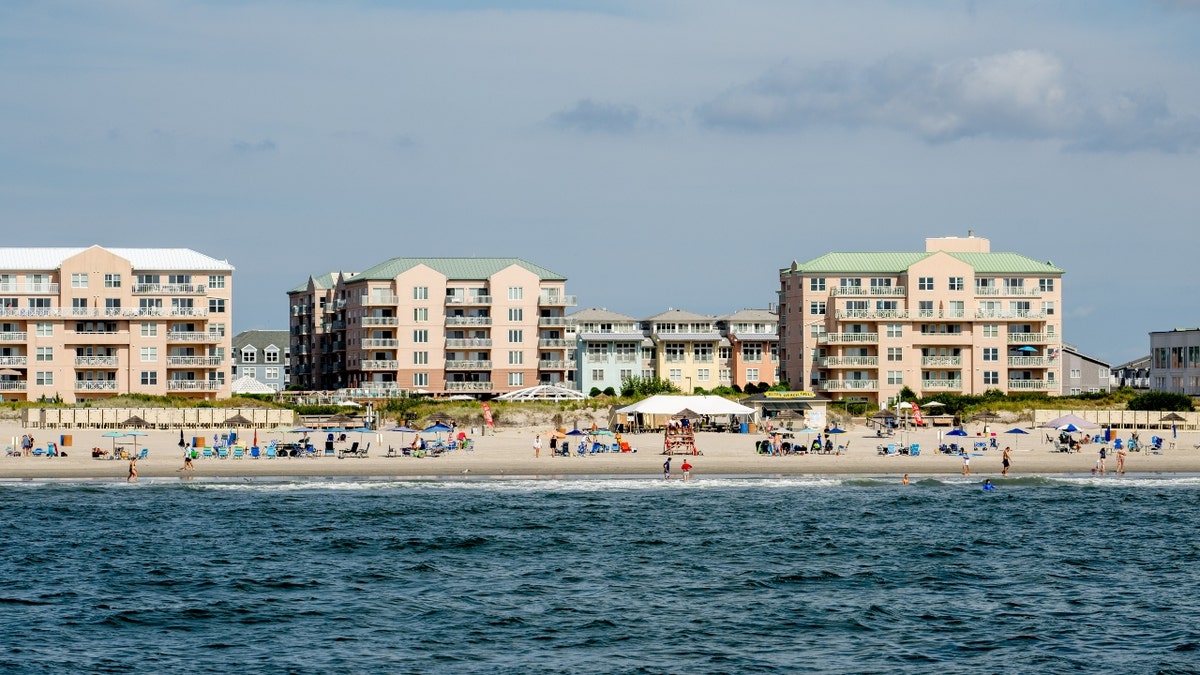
(658, 154)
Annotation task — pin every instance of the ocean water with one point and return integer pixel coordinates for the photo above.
(617, 575)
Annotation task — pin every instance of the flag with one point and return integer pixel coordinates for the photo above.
(917, 416)
(487, 414)
(255, 443)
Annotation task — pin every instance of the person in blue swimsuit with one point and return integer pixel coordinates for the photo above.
(667, 469)
(988, 485)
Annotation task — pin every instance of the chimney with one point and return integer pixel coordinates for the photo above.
(970, 233)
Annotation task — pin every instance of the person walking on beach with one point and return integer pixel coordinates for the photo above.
(667, 469)
(966, 470)
(537, 445)
(132, 477)
(1103, 456)
(1121, 460)
(1007, 461)
(686, 468)
(553, 445)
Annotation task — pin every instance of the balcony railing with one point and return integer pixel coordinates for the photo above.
(380, 364)
(97, 312)
(554, 321)
(553, 364)
(380, 321)
(468, 299)
(194, 361)
(18, 361)
(95, 385)
(33, 289)
(194, 385)
(13, 385)
(374, 300)
(468, 321)
(868, 290)
(96, 362)
(849, 362)
(302, 310)
(938, 361)
(466, 364)
(555, 343)
(1030, 338)
(468, 342)
(836, 338)
(169, 289)
(952, 384)
(469, 386)
(1025, 385)
(1009, 314)
(192, 336)
(380, 343)
(13, 336)
(872, 314)
(849, 385)
(557, 300)
(1032, 361)
(992, 291)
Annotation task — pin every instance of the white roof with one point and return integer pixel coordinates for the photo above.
(46, 258)
(665, 404)
(248, 385)
(543, 392)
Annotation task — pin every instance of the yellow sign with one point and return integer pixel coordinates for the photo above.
(789, 394)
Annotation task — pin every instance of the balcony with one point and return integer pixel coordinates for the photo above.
(469, 386)
(95, 385)
(13, 385)
(192, 336)
(1017, 291)
(463, 364)
(459, 343)
(557, 300)
(380, 321)
(849, 362)
(194, 385)
(468, 321)
(869, 314)
(1031, 338)
(380, 343)
(554, 321)
(30, 289)
(555, 343)
(848, 338)
(379, 364)
(468, 299)
(379, 300)
(194, 361)
(849, 385)
(1028, 385)
(169, 289)
(941, 338)
(301, 310)
(13, 336)
(1032, 361)
(953, 384)
(13, 361)
(868, 290)
(1009, 314)
(941, 361)
(553, 364)
(96, 362)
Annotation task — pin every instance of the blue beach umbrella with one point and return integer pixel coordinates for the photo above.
(1069, 428)
(403, 430)
(836, 430)
(956, 432)
(114, 435)
(1018, 432)
(436, 428)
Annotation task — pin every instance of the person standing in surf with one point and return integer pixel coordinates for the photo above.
(667, 469)
(686, 468)
(1007, 461)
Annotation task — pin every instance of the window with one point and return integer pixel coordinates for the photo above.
(816, 308)
(991, 330)
(44, 378)
(149, 378)
(216, 305)
(149, 354)
(216, 329)
(702, 374)
(421, 335)
(991, 377)
(45, 329)
(675, 375)
(957, 284)
(45, 354)
(895, 353)
(895, 330)
(179, 278)
(147, 279)
(216, 281)
(752, 352)
(895, 377)
(752, 374)
(1075, 391)
(420, 379)
(850, 283)
(249, 355)
(271, 355)
(420, 358)
(250, 372)
(924, 283)
(925, 309)
(674, 352)
(271, 373)
(991, 354)
(1048, 308)
(79, 281)
(516, 357)
(112, 280)
(516, 293)
(516, 314)
(816, 330)
(816, 284)
(516, 379)
(703, 353)
(1046, 285)
(1104, 373)
(420, 292)
(79, 304)
(597, 374)
(516, 336)
(149, 330)
(420, 314)
(1074, 373)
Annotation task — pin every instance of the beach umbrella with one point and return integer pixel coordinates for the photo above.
(114, 435)
(436, 428)
(933, 404)
(1079, 422)
(575, 432)
(181, 441)
(1069, 428)
(836, 430)
(302, 430)
(1027, 349)
(135, 432)
(402, 430)
(1018, 431)
(602, 432)
(956, 432)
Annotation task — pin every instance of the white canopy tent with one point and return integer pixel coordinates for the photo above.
(249, 385)
(666, 404)
(543, 392)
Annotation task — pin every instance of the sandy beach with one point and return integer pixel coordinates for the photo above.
(508, 452)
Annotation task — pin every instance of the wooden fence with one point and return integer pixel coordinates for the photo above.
(156, 418)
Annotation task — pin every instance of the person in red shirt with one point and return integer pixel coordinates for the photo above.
(686, 468)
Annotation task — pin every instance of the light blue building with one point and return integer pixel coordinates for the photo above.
(608, 349)
(262, 355)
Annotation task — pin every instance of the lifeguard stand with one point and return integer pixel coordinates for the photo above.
(679, 437)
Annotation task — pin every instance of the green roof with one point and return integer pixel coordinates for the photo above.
(898, 263)
(326, 280)
(454, 268)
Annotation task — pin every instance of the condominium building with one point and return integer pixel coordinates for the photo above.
(952, 318)
(1083, 374)
(685, 350)
(1175, 361)
(609, 349)
(263, 356)
(750, 347)
(89, 323)
(477, 326)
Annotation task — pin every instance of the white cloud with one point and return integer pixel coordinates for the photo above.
(590, 116)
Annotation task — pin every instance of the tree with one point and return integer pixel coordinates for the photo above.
(646, 386)
(1161, 400)
(609, 391)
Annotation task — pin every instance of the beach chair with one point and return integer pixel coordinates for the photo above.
(255, 452)
(207, 452)
(468, 445)
(144, 454)
(38, 452)
(352, 452)
(239, 452)
(222, 453)
(891, 449)
(271, 452)
(914, 449)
